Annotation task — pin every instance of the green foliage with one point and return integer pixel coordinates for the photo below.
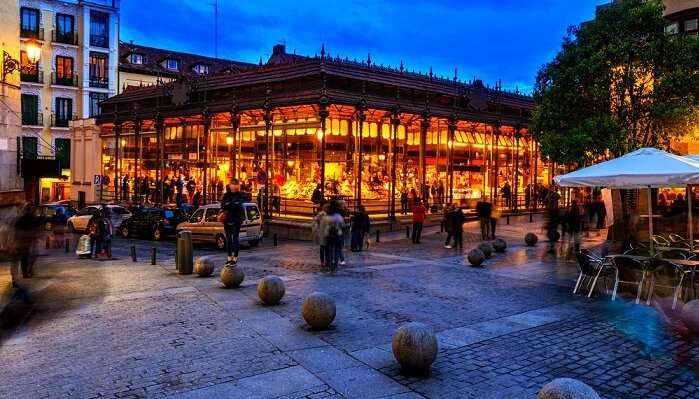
(618, 83)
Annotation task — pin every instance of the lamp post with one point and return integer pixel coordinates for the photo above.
(9, 64)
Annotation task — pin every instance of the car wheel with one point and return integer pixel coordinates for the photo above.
(125, 232)
(157, 234)
(48, 226)
(71, 228)
(220, 242)
(254, 243)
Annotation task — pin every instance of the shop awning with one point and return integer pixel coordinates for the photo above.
(643, 168)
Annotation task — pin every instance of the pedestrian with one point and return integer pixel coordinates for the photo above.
(360, 228)
(419, 212)
(232, 218)
(574, 222)
(446, 222)
(58, 226)
(26, 230)
(334, 226)
(484, 211)
(494, 216)
(506, 192)
(145, 189)
(317, 230)
(125, 188)
(196, 199)
(404, 202)
(317, 196)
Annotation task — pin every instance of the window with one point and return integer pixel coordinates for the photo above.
(65, 29)
(30, 147)
(63, 152)
(64, 70)
(98, 70)
(171, 64)
(672, 29)
(29, 73)
(137, 59)
(95, 99)
(201, 69)
(212, 214)
(197, 216)
(64, 111)
(99, 30)
(30, 109)
(29, 23)
(690, 25)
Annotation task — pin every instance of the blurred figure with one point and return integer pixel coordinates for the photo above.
(317, 229)
(26, 231)
(574, 224)
(317, 197)
(454, 219)
(494, 216)
(404, 202)
(360, 228)
(58, 223)
(334, 225)
(506, 192)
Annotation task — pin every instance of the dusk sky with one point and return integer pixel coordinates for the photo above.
(491, 40)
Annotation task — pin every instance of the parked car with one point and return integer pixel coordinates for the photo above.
(82, 220)
(206, 228)
(45, 213)
(155, 223)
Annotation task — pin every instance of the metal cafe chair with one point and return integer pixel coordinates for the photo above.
(661, 241)
(665, 274)
(639, 245)
(638, 252)
(676, 254)
(591, 269)
(629, 271)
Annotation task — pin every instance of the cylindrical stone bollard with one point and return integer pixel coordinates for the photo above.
(407, 231)
(67, 245)
(184, 261)
(378, 236)
(133, 253)
(274, 239)
(48, 242)
(152, 255)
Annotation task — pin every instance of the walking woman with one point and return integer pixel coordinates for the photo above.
(334, 226)
(318, 230)
(360, 227)
(232, 218)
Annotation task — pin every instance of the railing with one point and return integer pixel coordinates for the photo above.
(99, 41)
(62, 120)
(99, 82)
(35, 77)
(32, 119)
(32, 34)
(64, 37)
(71, 80)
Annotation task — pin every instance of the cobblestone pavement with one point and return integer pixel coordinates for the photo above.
(122, 329)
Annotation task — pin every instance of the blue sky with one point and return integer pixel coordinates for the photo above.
(491, 40)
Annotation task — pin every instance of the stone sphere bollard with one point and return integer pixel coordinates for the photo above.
(318, 310)
(499, 245)
(553, 235)
(414, 347)
(690, 315)
(486, 248)
(531, 239)
(567, 388)
(270, 290)
(204, 266)
(232, 276)
(476, 257)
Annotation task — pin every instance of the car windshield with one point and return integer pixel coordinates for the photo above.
(197, 216)
(87, 211)
(119, 210)
(212, 214)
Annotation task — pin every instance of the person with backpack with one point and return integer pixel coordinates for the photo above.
(232, 215)
(419, 214)
(360, 227)
(334, 225)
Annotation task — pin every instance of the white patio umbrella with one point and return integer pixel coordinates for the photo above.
(644, 168)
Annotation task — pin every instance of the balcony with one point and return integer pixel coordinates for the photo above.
(64, 37)
(32, 119)
(62, 120)
(99, 41)
(70, 80)
(99, 82)
(36, 76)
(37, 34)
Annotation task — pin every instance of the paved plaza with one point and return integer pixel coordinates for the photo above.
(122, 329)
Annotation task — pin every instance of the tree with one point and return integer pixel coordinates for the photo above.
(618, 83)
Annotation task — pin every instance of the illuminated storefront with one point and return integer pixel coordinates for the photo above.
(366, 134)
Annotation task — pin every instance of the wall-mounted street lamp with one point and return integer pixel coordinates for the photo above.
(229, 140)
(10, 64)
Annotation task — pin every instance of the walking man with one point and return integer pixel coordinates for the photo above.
(483, 211)
(232, 207)
(419, 212)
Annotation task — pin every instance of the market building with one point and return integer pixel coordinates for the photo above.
(363, 132)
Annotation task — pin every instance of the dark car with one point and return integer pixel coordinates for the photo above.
(155, 223)
(45, 214)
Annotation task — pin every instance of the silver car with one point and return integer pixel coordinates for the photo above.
(82, 220)
(206, 228)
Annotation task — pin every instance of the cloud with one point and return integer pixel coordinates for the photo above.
(503, 39)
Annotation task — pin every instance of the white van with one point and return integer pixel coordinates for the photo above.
(206, 228)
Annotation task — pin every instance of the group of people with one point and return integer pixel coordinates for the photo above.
(173, 189)
(329, 230)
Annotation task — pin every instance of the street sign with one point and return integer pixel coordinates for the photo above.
(262, 177)
(105, 180)
(97, 180)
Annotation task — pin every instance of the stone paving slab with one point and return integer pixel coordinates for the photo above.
(361, 383)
